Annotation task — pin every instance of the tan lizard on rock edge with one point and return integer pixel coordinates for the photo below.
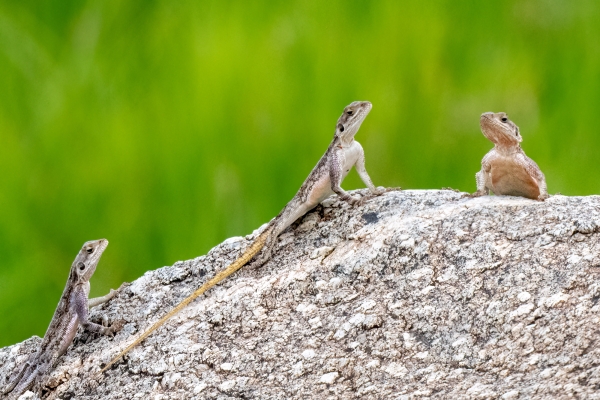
(324, 180)
(506, 170)
(71, 311)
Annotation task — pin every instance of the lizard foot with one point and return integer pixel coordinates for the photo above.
(543, 197)
(114, 328)
(354, 200)
(256, 264)
(114, 292)
(377, 192)
(474, 195)
(261, 258)
(364, 199)
(117, 325)
(449, 188)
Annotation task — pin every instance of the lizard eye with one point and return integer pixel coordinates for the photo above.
(504, 119)
(350, 112)
(341, 127)
(81, 266)
(90, 250)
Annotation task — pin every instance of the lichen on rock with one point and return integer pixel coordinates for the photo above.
(413, 294)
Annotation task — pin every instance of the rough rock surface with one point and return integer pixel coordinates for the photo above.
(415, 294)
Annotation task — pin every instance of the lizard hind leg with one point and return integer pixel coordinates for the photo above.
(263, 256)
(28, 382)
(16, 378)
(295, 209)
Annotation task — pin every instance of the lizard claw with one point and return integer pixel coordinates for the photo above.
(374, 193)
(114, 292)
(379, 191)
(543, 197)
(452, 189)
(363, 200)
(117, 326)
(107, 332)
(474, 195)
(114, 328)
(354, 200)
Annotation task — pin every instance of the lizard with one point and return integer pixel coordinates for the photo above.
(71, 311)
(324, 180)
(506, 170)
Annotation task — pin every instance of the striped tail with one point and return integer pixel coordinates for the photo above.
(233, 267)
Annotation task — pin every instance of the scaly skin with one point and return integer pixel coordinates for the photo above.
(324, 180)
(326, 177)
(72, 311)
(506, 170)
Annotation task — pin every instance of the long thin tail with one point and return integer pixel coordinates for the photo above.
(233, 267)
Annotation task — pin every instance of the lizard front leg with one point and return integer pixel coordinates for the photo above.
(80, 305)
(96, 301)
(336, 175)
(482, 178)
(364, 175)
(543, 190)
(482, 189)
(539, 176)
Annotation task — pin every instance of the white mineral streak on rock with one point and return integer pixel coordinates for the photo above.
(523, 297)
(329, 378)
(308, 354)
(413, 294)
(396, 370)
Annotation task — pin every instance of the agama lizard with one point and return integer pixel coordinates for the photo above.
(324, 180)
(72, 311)
(506, 170)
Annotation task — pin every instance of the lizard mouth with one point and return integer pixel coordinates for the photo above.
(487, 119)
(497, 131)
(364, 110)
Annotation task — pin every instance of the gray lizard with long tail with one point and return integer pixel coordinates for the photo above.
(324, 180)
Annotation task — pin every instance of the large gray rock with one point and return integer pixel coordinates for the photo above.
(415, 294)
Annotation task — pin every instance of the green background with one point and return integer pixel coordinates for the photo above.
(167, 126)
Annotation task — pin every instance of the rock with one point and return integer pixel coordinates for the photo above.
(329, 378)
(412, 294)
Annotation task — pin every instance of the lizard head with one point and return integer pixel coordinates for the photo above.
(86, 261)
(499, 129)
(351, 119)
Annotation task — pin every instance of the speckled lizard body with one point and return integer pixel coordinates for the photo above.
(506, 170)
(72, 311)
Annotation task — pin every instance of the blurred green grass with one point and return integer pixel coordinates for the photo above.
(167, 127)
